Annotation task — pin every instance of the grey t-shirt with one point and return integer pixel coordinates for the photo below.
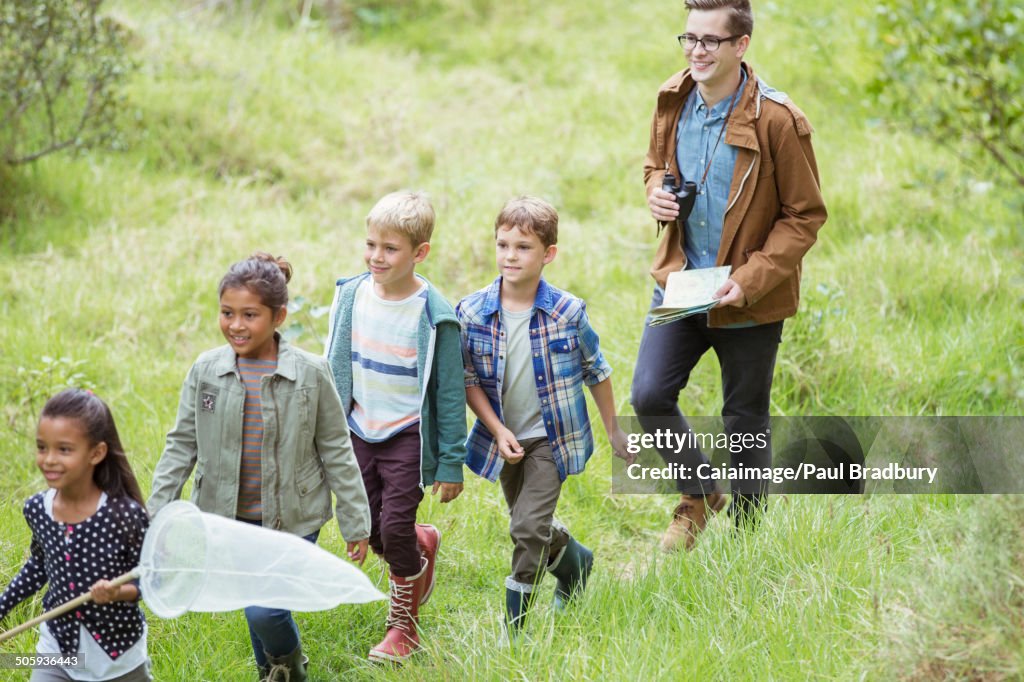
(519, 402)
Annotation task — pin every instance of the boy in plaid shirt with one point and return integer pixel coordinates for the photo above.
(529, 350)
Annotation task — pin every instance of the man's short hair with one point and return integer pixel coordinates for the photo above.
(405, 212)
(741, 17)
(530, 214)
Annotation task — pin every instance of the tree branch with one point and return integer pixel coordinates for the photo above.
(19, 107)
(998, 155)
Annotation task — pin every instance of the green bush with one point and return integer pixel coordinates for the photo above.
(60, 65)
(954, 71)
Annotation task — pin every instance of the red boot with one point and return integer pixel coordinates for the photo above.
(429, 539)
(401, 640)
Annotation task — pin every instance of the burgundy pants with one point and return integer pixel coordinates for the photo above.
(391, 475)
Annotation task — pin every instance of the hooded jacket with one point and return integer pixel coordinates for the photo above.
(439, 368)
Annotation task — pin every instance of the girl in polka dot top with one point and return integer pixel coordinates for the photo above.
(87, 528)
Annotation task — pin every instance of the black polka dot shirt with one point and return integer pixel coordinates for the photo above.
(72, 557)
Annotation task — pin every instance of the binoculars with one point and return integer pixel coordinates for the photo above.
(685, 194)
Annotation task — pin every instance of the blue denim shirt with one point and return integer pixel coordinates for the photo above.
(566, 357)
(699, 128)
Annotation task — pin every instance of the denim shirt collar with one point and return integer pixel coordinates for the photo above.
(544, 300)
(721, 107)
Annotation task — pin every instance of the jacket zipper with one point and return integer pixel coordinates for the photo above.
(757, 115)
(743, 183)
(427, 369)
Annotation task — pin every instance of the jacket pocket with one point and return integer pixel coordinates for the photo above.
(197, 490)
(565, 361)
(310, 482)
(566, 345)
(481, 347)
(314, 500)
(482, 354)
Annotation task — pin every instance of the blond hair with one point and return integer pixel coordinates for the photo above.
(530, 214)
(405, 212)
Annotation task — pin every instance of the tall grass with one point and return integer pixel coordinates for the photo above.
(251, 128)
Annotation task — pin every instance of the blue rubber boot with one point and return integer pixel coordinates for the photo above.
(571, 567)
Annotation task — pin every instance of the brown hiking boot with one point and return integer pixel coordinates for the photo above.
(690, 518)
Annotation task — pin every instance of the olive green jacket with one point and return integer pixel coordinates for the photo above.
(306, 448)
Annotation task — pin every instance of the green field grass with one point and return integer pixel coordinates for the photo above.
(249, 128)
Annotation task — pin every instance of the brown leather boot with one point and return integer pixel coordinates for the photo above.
(689, 518)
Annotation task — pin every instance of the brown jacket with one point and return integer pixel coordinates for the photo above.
(775, 206)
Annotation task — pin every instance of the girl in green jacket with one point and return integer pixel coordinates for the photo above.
(261, 424)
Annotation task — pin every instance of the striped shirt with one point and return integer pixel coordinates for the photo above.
(250, 477)
(385, 381)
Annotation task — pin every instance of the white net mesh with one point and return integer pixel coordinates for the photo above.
(192, 561)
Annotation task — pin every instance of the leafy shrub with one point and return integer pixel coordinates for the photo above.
(954, 71)
(60, 65)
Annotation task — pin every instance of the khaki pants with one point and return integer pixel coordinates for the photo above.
(531, 488)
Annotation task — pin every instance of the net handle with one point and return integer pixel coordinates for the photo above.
(67, 606)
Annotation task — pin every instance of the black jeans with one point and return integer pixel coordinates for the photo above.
(669, 353)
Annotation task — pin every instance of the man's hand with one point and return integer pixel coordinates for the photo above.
(730, 294)
(449, 491)
(508, 447)
(358, 550)
(663, 206)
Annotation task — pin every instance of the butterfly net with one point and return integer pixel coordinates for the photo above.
(194, 561)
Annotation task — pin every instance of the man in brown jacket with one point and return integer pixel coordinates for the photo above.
(758, 208)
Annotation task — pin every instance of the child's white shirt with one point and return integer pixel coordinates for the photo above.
(97, 664)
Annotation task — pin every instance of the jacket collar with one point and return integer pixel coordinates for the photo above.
(227, 360)
(434, 308)
(544, 300)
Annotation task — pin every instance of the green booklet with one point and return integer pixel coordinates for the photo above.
(689, 292)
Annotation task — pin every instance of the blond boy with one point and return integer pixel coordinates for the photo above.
(394, 348)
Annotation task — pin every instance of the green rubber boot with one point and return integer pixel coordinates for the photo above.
(517, 603)
(571, 567)
(288, 668)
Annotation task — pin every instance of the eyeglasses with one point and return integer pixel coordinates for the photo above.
(688, 41)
